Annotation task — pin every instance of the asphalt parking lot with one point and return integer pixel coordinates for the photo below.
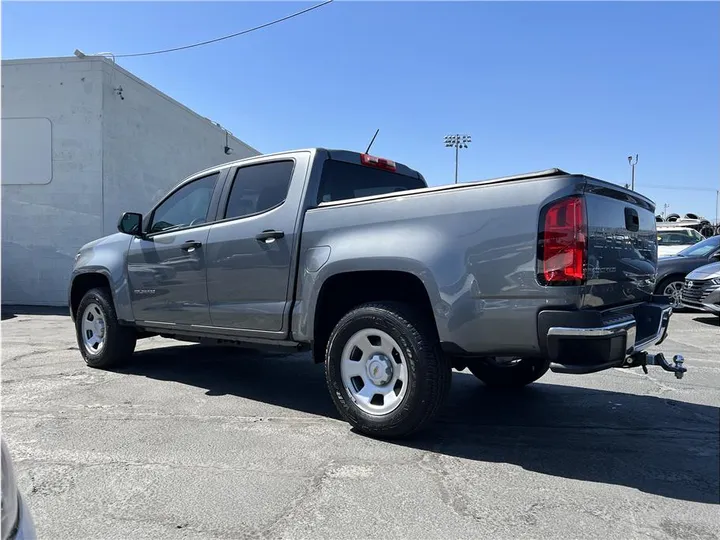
(196, 442)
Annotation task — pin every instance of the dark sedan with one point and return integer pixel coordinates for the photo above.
(672, 270)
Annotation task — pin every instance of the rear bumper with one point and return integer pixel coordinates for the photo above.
(591, 341)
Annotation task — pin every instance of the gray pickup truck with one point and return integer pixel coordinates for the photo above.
(389, 282)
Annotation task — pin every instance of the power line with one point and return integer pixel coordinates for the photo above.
(236, 34)
(717, 199)
(681, 188)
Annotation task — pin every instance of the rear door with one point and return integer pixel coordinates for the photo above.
(622, 246)
(251, 250)
(167, 269)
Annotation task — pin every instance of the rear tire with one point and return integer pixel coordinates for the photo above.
(103, 341)
(522, 373)
(372, 348)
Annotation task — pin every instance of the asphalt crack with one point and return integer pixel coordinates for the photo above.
(110, 463)
(314, 485)
(15, 359)
(456, 501)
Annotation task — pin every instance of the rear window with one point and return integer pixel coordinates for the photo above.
(343, 180)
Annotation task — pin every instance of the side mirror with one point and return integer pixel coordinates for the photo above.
(131, 223)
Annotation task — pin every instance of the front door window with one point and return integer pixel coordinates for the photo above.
(187, 207)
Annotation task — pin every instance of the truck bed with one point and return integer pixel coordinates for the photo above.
(475, 248)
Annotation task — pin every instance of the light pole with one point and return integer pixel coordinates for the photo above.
(458, 142)
(632, 165)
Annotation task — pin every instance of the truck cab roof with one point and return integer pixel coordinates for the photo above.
(334, 154)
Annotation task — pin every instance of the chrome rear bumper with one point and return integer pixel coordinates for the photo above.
(619, 340)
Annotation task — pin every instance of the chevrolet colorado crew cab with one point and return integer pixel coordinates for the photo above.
(390, 283)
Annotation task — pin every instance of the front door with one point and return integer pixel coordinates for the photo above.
(250, 251)
(167, 270)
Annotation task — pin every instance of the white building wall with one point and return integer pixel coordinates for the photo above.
(108, 155)
(150, 143)
(43, 223)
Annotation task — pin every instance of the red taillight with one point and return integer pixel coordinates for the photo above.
(563, 243)
(380, 163)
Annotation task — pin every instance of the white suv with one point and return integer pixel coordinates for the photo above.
(672, 240)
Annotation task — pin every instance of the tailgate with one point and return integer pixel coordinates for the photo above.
(622, 246)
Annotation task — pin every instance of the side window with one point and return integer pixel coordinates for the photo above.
(188, 206)
(257, 188)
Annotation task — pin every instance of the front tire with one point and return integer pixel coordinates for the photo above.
(385, 371)
(671, 287)
(103, 341)
(508, 372)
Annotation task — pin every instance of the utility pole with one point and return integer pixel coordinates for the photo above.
(457, 141)
(665, 209)
(632, 165)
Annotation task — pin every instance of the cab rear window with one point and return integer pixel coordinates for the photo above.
(342, 180)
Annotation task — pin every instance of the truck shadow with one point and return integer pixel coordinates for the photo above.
(709, 320)
(12, 311)
(656, 445)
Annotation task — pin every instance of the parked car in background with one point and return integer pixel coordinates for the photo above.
(672, 240)
(702, 289)
(673, 270)
(17, 523)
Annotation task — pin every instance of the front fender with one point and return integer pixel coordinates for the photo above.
(107, 257)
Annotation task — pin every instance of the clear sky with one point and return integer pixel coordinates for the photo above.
(575, 85)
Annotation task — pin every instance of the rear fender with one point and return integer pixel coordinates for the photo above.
(303, 319)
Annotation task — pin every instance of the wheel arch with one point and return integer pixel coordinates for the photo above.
(90, 278)
(343, 291)
(680, 276)
(82, 282)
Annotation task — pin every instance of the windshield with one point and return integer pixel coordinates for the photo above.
(702, 249)
(679, 237)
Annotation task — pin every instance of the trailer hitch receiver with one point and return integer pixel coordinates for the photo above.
(644, 359)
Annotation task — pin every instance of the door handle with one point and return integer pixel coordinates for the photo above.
(190, 246)
(269, 236)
